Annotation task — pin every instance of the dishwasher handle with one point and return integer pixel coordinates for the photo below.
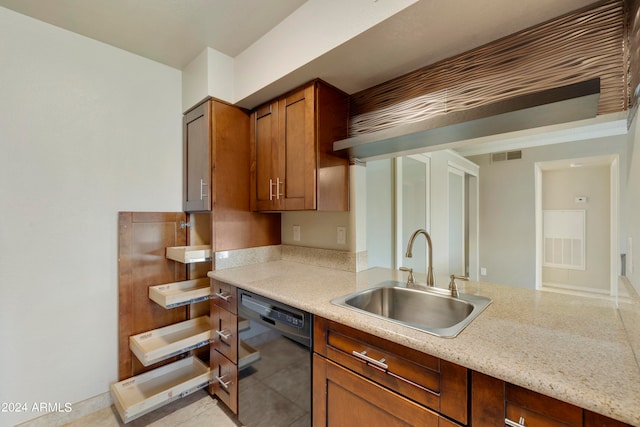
(253, 305)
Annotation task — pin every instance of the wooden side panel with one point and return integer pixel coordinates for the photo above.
(234, 225)
(332, 124)
(142, 240)
(487, 401)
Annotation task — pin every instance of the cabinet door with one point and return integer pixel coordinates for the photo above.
(196, 134)
(265, 155)
(297, 174)
(427, 380)
(341, 397)
(493, 402)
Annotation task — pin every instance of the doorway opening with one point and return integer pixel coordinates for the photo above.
(577, 204)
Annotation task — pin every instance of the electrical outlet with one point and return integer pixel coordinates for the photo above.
(342, 235)
(296, 233)
(483, 271)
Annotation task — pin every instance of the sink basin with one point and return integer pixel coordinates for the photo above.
(429, 310)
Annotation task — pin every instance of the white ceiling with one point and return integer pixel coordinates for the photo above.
(174, 32)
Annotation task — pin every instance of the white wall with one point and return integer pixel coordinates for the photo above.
(380, 218)
(86, 130)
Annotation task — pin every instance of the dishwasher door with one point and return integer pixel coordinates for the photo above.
(275, 387)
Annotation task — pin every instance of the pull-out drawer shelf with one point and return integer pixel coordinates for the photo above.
(160, 344)
(139, 395)
(177, 294)
(189, 254)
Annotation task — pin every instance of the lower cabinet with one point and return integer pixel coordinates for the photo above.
(495, 403)
(361, 379)
(224, 344)
(342, 397)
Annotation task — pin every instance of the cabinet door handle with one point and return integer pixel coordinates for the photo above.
(520, 423)
(270, 189)
(223, 335)
(202, 184)
(222, 296)
(278, 193)
(222, 383)
(379, 363)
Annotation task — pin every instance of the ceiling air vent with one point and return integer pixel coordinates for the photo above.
(506, 155)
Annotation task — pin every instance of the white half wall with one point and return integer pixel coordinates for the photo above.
(86, 130)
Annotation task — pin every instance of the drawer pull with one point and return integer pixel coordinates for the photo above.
(222, 383)
(379, 363)
(222, 296)
(222, 334)
(520, 423)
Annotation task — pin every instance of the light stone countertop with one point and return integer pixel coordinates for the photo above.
(574, 349)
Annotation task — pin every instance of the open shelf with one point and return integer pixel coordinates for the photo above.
(160, 344)
(176, 294)
(139, 395)
(189, 254)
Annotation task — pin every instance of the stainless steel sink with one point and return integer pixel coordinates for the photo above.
(429, 310)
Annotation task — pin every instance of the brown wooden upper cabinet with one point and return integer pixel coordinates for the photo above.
(208, 130)
(293, 166)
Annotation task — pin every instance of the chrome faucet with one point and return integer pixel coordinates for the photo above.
(430, 281)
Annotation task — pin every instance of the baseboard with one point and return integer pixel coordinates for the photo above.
(70, 413)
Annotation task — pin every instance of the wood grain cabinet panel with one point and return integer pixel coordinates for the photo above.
(493, 401)
(224, 347)
(425, 380)
(217, 162)
(293, 166)
(346, 398)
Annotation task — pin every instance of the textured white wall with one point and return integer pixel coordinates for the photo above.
(86, 130)
(312, 30)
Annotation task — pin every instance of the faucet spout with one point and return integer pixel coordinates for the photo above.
(430, 281)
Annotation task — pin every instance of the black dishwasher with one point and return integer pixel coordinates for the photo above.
(274, 362)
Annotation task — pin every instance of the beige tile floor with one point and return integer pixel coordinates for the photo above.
(196, 410)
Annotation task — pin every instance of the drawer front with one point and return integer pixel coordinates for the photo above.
(425, 379)
(224, 380)
(350, 399)
(537, 409)
(224, 332)
(224, 295)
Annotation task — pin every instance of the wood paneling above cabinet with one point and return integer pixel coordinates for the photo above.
(293, 166)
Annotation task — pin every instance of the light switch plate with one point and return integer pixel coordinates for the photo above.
(296, 233)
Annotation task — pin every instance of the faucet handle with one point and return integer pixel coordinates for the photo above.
(410, 280)
(452, 284)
